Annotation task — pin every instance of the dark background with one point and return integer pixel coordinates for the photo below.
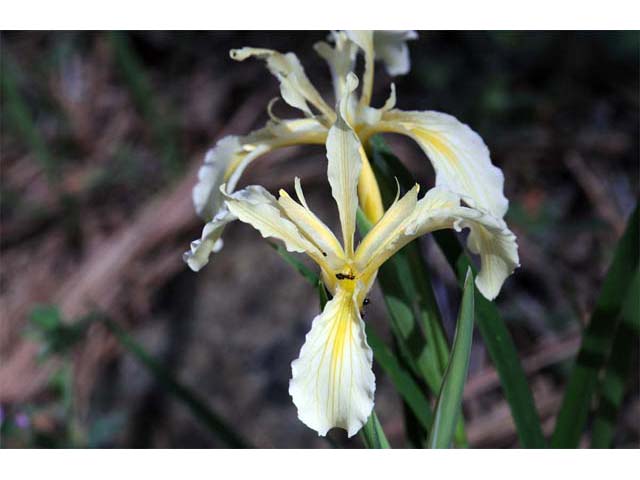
(102, 134)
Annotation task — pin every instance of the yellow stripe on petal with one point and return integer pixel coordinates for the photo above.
(343, 171)
(314, 230)
(332, 382)
(378, 245)
(257, 207)
(459, 156)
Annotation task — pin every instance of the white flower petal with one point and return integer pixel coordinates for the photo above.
(295, 87)
(232, 154)
(440, 208)
(332, 382)
(206, 194)
(257, 207)
(343, 171)
(341, 58)
(364, 40)
(312, 227)
(210, 241)
(458, 154)
(390, 46)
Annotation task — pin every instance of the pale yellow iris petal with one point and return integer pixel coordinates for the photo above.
(313, 228)
(343, 171)
(440, 208)
(257, 207)
(295, 87)
(458, 154)
(379, 241)
(341, 58)
(364, 40)
(207, 198)
(390, 46)
(210, 242)
(332, 382)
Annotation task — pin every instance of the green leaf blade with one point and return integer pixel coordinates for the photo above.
(372, 434)
(450, 398)
(597, 341)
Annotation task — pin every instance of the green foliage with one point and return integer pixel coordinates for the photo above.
(372, 434)
(450, 397)
(597, 340)
(493, 330)
(611, 389)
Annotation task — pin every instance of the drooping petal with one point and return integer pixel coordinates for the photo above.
(312, 227)
(332, 382)
(257, 207)
(390, 46)
(459, 156)
(210, 242)
(341, 58)
(440, 208)
(232, 154)
(295, 87)
(343, 171)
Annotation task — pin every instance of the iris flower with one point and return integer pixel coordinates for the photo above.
(332, 383)
(459, 156)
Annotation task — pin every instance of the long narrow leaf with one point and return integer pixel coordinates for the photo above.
(612, 387)
(195, 404)
(492, 328)
(372, 434)
(501, 349)
(450, 398)
(597, 340)
(402, 381)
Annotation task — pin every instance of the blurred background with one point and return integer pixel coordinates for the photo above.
(102, 136)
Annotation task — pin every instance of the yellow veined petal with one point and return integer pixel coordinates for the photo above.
(458, 154)
(440, 208)
(390, 46)
(332, 383)
(200, 250)
(379, 241)
(343, 172)
(295, 87)
(257, 207)
(313, 228)
(341, 58)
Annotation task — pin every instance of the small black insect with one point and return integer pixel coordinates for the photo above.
(343, 276)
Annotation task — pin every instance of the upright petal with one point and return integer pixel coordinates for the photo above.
(312, 227)
(332, 383)
(257, 207)
(343, 171)
(459, 156)
(364, 40)
(341, 58)
(390, 46)
(440, 208)
(295, 87)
